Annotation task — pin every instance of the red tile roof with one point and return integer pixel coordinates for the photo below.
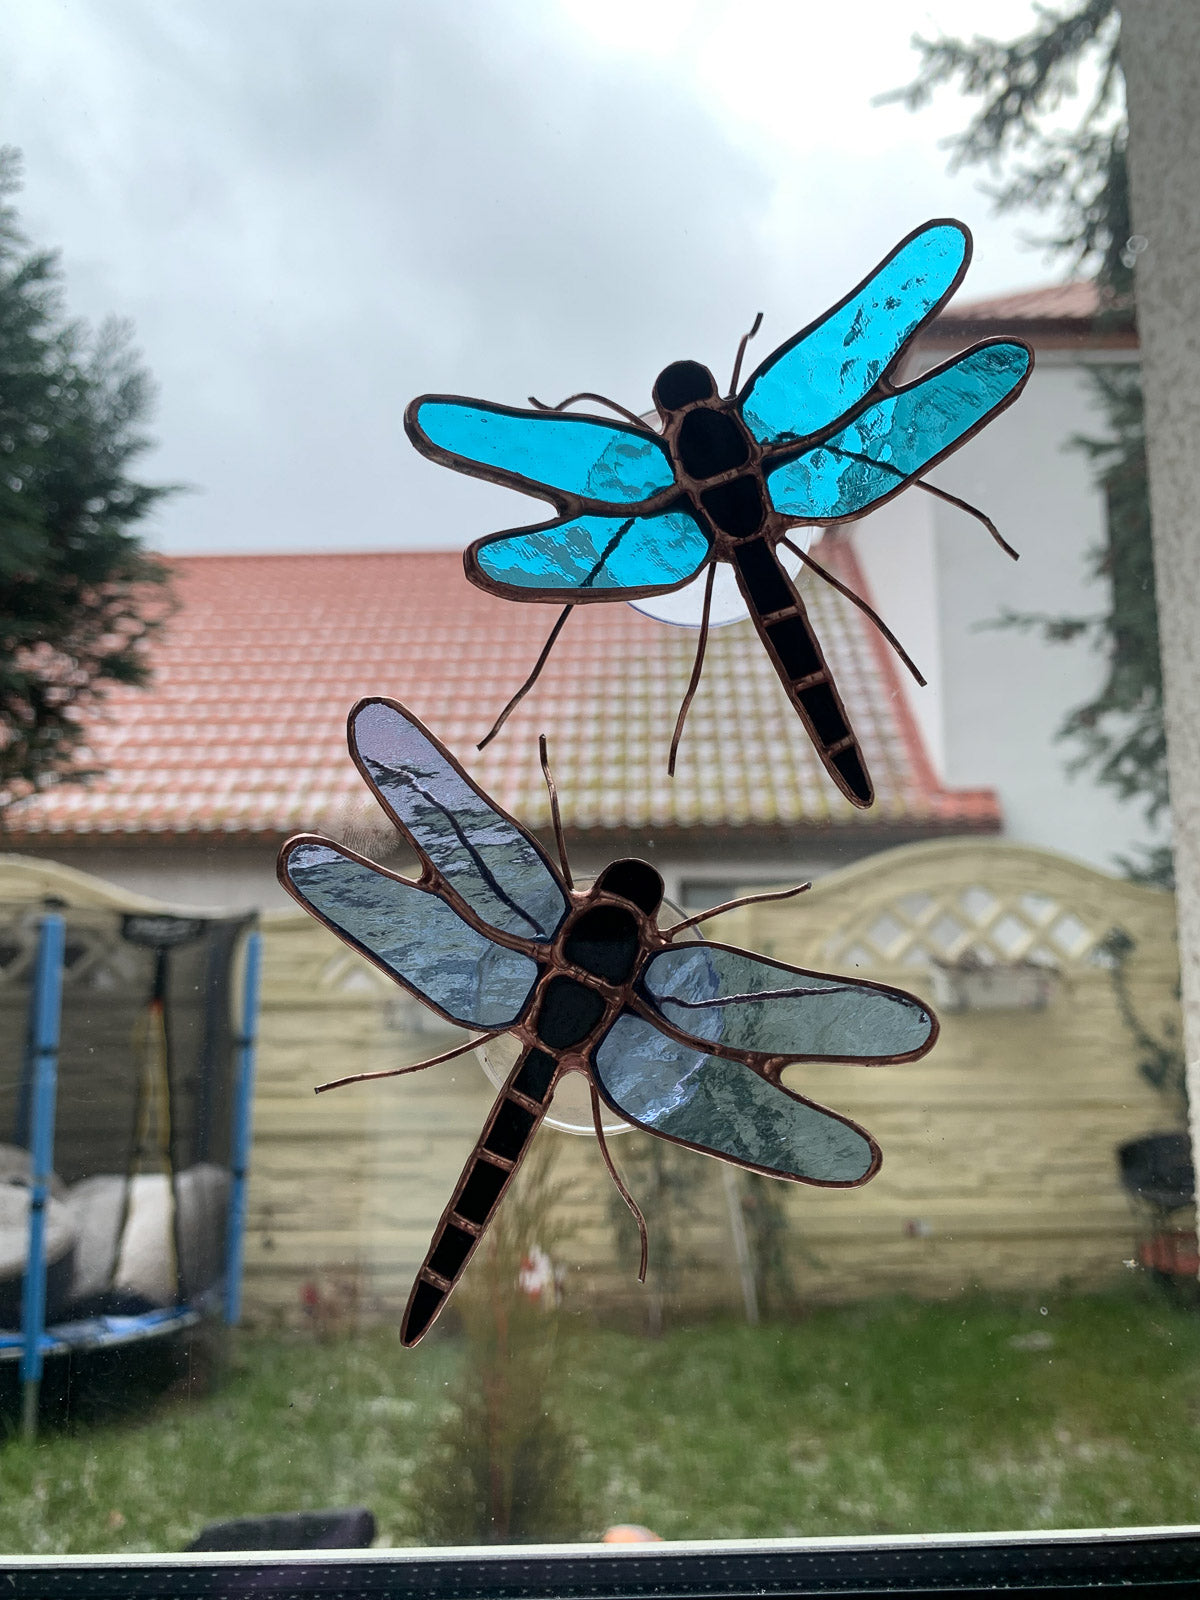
(1054, 312)
(1078, 301)
(243, 732)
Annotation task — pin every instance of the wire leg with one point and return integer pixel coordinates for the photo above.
(856, 599)
(598, 399)
(972, 511)
(697, 666)
(529, 681)
(554, 811)
(417, 1066)
(732, 905)
(616, 1178)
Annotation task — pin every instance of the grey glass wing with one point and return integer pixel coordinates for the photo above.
(734, 1001)
(415, 937)
(724, 1108)
(486, 858)
(830, 366)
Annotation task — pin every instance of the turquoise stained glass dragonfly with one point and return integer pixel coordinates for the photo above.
(686, 1040)
(818, 434)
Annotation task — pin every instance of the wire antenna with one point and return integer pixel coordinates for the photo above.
(741, 351)
(552, 789)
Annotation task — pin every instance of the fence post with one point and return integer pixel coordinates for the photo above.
(239, 1152)
(44, 1020)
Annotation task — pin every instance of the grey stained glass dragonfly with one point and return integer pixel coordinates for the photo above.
(818, 434)
(685, 1040)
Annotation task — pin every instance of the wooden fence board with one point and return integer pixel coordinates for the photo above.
(999, 1148)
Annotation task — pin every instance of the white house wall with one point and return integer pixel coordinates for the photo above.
(232, 877)
(997, 697)
(219, 877)
(897, 550)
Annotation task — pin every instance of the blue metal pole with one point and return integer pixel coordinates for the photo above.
(45, 1017)
(239, 1151)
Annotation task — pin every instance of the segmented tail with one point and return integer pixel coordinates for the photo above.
(796, 654)
(506, 1134)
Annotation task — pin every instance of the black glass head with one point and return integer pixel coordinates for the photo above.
(635, 881)
(682, 384)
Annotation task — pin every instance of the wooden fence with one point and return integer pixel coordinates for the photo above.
(999, 1148)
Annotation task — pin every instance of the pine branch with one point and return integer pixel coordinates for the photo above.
(1079, 175)
(1019, 83)
(80, 596)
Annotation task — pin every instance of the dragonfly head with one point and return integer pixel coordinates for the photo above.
(681, 384)
(635, 881)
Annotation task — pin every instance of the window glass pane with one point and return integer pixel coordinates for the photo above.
(408, 1310)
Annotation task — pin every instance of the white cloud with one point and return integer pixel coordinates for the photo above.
(313, 211)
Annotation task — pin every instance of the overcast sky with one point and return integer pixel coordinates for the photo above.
(313, 210)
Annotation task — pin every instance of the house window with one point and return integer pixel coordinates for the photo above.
(696, 893)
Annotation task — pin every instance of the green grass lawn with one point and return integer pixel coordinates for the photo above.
(885, 1418)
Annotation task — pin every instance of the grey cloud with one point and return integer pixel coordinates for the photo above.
(315, 211)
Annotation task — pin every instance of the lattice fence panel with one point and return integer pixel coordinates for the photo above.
(971, 925)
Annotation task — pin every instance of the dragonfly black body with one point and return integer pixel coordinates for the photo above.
(686, 1040)
(601, 946)
(718, 462)
(818, 434)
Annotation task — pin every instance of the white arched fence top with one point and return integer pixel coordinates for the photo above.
(965, 901)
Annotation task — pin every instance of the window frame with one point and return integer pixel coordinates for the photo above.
(1154, 1560)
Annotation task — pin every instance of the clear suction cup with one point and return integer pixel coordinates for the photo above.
(685, 607)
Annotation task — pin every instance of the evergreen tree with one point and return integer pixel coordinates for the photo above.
(79, 595)
(1079, 175)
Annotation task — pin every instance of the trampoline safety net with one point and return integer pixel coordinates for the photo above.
(140, 1199)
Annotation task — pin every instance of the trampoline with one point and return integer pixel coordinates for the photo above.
(125, 1107)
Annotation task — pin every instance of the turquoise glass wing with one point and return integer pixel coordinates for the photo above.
(600, 553)
(889, 443)
(484, 856)
(581, 456)
(728, 999)
(827, 369)
(725, 1109)
(415, 936)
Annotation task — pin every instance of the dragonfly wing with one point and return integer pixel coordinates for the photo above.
(725, 1108)
(729, 1000)
(409, 932)
(483, 856)
(825, 371)
(579, 556)
(541, 452)
(893, 441)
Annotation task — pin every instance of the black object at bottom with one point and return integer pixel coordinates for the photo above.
(1158, 1169)
(352, 1529)
(1139, 1563)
